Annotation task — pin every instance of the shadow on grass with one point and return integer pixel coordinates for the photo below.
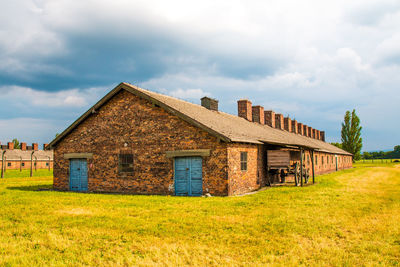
(32, 188)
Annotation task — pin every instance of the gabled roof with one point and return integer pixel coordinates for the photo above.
(18, 154)
(227, 127)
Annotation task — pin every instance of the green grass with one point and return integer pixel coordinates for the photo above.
(26, 173)
(377, 161)
(348, 218)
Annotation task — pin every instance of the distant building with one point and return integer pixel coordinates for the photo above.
(21, 158)
(137, 141)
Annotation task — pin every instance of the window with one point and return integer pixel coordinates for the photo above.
(322, 160)
(125, 163)
(47, 164)
(23, 164)
(9, 164)
(316, 159)
(243, 161)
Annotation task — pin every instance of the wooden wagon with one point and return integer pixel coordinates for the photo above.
(281, 163)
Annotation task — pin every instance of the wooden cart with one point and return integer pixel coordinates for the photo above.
(279, 166)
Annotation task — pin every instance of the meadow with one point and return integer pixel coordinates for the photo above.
(350, 218)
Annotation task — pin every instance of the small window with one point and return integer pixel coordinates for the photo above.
(47, 164)
(243, 161)
(316, 160)
(322, 160)
(23, 164)
(9, 164)
(34, 164)
(126, 163)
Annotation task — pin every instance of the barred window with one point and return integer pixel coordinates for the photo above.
(23, 164)
(125, 163)
(9, 164)
(316, 159)
(243, 161)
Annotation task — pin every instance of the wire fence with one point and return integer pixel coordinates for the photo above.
(378, 161)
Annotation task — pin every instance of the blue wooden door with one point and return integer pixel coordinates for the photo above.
(78, 175)
(188, 176)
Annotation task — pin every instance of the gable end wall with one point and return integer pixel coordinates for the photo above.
(149, 132)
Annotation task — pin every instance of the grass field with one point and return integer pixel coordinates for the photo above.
(349, 218)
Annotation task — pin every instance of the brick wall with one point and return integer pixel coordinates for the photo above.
(15, 164)
(149, 132)
(254, 177)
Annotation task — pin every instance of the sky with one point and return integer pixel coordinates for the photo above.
(310, 60)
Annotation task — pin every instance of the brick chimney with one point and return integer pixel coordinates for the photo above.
(209, 103)
(35, 146)
(317, 135)
(310, 130)
(279, 121)
(300, 129)
(23, 146)
(44, 146)
(269, 116)
(245, 110)
(323, 136)
(288, 124)
(305, 130)
(294, 126)
(313, 133)
(258, 114)
(10, 145)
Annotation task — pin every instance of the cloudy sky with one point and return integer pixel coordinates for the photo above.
(311, 60)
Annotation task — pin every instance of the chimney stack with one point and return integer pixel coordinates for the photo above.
(10, 145)
(294, 126)
(279, 121)
(313, 133)
(245, 110)
(35, 146)
(23, 146)
(318, 135)
(288, 124)
(309, 131)
(305, 130)
(300, 129)
(258, 114)
(323, 136)
(44, 146)
(209, 103)
(269, 116)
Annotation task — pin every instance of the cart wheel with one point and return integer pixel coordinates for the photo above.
(306, 176)
(283, 176)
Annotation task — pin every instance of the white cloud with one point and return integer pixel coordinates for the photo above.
(311, 59)
(67, 98)
(189, 93)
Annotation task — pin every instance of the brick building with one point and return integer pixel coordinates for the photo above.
(22, 158)
(137, 141)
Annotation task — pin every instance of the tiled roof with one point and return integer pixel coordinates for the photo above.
(17, 154)
(228, 127)
(238, 129)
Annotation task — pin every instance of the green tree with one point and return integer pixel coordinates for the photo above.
(351, 134)
(366, 155)
(339, 145)
(16, 143)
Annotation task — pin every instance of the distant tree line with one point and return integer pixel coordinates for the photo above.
(395, 154)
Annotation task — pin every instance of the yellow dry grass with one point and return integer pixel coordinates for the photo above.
(348, 218)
